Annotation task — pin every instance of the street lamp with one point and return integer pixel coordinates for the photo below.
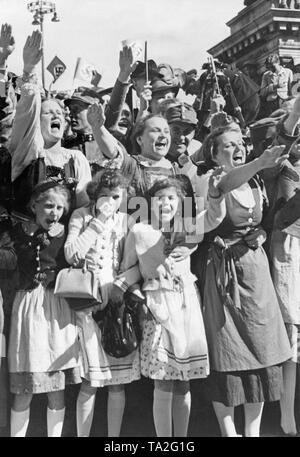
(39, 9)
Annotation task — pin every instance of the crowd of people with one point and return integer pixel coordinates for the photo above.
(197, 242)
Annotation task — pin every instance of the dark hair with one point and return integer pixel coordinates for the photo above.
(210, 146)
(42, 189)
(166, 183)
(139, 129)
(109, 179)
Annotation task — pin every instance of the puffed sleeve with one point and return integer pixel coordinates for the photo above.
(82, 235)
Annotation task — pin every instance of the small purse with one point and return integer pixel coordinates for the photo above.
(121, 330)
(79, 286)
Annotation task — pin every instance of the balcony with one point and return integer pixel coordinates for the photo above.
(286, 4)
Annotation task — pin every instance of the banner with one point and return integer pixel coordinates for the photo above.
(56, 67)
(86, 72)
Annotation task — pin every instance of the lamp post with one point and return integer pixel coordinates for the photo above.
(39, 9)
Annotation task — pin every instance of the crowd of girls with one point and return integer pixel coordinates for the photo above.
(212, 303)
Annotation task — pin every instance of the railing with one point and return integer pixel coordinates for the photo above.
(286, 4)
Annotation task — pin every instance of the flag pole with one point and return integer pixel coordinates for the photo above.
(146, 62)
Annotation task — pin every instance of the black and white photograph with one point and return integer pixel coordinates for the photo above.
(150, 221)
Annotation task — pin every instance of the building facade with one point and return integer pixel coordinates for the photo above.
(262, 28)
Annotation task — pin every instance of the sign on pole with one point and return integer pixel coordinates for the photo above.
(56, 67)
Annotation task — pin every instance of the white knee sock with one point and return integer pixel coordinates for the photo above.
(55, 422)
(287, 401)
(19, 421)
(253, 413)
(115, 411)
(85, 412)
(162, 412)
(181, 413)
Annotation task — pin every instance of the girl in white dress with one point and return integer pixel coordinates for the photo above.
(96, 236)
(173, 348)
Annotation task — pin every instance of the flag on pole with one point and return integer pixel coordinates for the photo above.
(96, 78)
(85, 71)
(56, 67)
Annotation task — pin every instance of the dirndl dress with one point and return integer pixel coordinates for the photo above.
(246, 336)
(43, 353)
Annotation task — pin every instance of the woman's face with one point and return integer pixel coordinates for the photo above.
(165, 204)
(49, 210)
(156, 139)
(231, 151)
(52, 122)
(109, 201)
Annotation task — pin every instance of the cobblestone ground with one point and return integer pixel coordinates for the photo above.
(138, 420)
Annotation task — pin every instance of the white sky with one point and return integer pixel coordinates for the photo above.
(178, 32)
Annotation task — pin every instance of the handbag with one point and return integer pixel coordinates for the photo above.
(79, 286)
(121, 330)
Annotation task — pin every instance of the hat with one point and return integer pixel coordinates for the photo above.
(87, 95)
(221, 119)
(182, 112)
(260, 130)
(166, 79)
(140, 70)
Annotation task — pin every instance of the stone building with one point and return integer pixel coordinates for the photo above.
(263, 27)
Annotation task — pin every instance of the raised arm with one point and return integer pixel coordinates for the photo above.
(115, 105)
(107, 143)
(7, 46)
(270, 158)
(27, 141)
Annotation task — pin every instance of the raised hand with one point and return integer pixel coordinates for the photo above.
(273, 157)
(95, 115)
(213, 184)
(127, 63)
(32, 51)
(7, 42)
(145, 97)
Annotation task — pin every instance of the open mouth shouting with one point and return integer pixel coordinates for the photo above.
(161, 144)
(238, 158)
(55, 126)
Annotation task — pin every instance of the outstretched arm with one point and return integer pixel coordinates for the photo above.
(271, 157)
